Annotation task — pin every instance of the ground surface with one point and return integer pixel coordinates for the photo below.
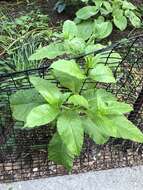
(115, 179)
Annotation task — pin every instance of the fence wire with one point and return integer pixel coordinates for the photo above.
(23, 153)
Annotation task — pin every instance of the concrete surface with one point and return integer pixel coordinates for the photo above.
(115, 179)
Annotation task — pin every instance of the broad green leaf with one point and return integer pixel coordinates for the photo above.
(71, 131)
(77, 20)
(94, 131)
(100, 19)
(98, 3)
(41, 115)
(78, 100)
(51, 51)
(104, 11)
(98, 106)
(58, 152)
(135, 20)
(102, 29)
(47, 89)
(114, 107)
(68, 81)
(69, 29)
(109, 107)
(85, 29)
(68, 67)
(126, 129)
(120, 20)
(23, 101)
(108, 6)
(105, 124)
(75, 46)
(102, 73)
(105, 103)
(128, 5)
(91, 48)
(87, 12)
(117, 126)
(92, 95)
(110, 58)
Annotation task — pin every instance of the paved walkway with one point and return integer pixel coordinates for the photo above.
(115, 179)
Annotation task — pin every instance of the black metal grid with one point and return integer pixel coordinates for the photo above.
(23, 154)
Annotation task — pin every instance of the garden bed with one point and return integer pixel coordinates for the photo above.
(23, 153)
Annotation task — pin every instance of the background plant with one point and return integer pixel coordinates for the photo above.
(103, 14)
(97, 17)
(19, 38)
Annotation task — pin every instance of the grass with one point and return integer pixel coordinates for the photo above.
(19, 38)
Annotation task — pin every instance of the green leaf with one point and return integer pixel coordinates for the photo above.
(68, 67)
(69, 29)
(93, 94)
(70, 130)
(51, 51)
(126, 129)
(135, 20)
(78, 100)
(110, 58)
(120, 20)
(105, 103)
(108, 6)
(23, 101)
(104, 11)
(47, 89)
(105, 124)
(85, 29)
(98, 3)
(58, 152)
(94, 131)
(102, 29)
(75, 46)
(41, 115)
(114, 107)
(128, 5)
(68, 81)
(102, 73)
(117, 126)
(91, 48)
(87, 12)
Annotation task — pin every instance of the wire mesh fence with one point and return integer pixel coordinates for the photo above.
(24, 153)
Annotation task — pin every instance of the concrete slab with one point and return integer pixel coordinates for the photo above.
(114, 179)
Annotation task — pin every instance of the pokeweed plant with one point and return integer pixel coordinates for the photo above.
(81, 109)
(100, 16)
